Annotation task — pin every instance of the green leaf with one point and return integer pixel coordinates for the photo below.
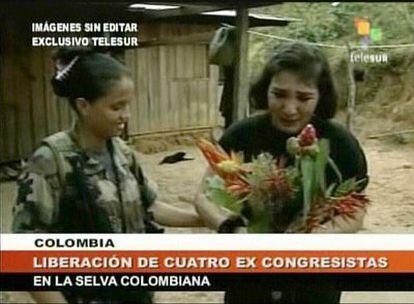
(260, 223)
(335, 169)
(330, 190)
(307, 164)
(346, 187)
(215, 182)
(217, 193)
(262, 168)
(320, 167)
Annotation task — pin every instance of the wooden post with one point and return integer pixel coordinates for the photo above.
(241, 77)
(351, 90)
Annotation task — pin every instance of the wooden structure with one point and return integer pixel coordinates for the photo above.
(241, 82)
(176, 88)
(179, 89)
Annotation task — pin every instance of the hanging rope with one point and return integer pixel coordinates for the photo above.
(294, 40)
(331, 45)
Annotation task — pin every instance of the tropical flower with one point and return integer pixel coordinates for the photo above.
(223, 164)
(307, 136)
(267, 182)
(239, 187)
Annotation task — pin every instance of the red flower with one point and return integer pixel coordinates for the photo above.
(227, 166)
(350, 204)
(307, 136)
(239, 187)
(325, 210)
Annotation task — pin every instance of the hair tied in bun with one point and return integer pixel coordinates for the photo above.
(62, 73)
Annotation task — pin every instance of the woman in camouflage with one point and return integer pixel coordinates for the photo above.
(86, 179)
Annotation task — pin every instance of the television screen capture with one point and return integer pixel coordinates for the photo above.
(206, 152)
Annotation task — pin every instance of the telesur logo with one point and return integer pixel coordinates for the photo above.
(367, 35)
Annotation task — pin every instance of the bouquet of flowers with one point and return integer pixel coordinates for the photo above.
(276, 197)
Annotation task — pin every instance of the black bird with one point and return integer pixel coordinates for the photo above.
(174, 158)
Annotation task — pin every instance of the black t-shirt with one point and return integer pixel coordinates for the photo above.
(256, 134)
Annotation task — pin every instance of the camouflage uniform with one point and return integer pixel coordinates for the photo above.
(65, 190)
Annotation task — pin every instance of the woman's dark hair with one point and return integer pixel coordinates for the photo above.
(85, 73)
(309, 63)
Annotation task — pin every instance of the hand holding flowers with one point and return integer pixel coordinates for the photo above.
(265, 190)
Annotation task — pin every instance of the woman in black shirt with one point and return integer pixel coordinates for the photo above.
(295, 88)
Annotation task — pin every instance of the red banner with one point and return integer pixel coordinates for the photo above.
(207, 261)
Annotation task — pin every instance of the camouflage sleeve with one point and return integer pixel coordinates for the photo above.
(36, 205)
(147, 187)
